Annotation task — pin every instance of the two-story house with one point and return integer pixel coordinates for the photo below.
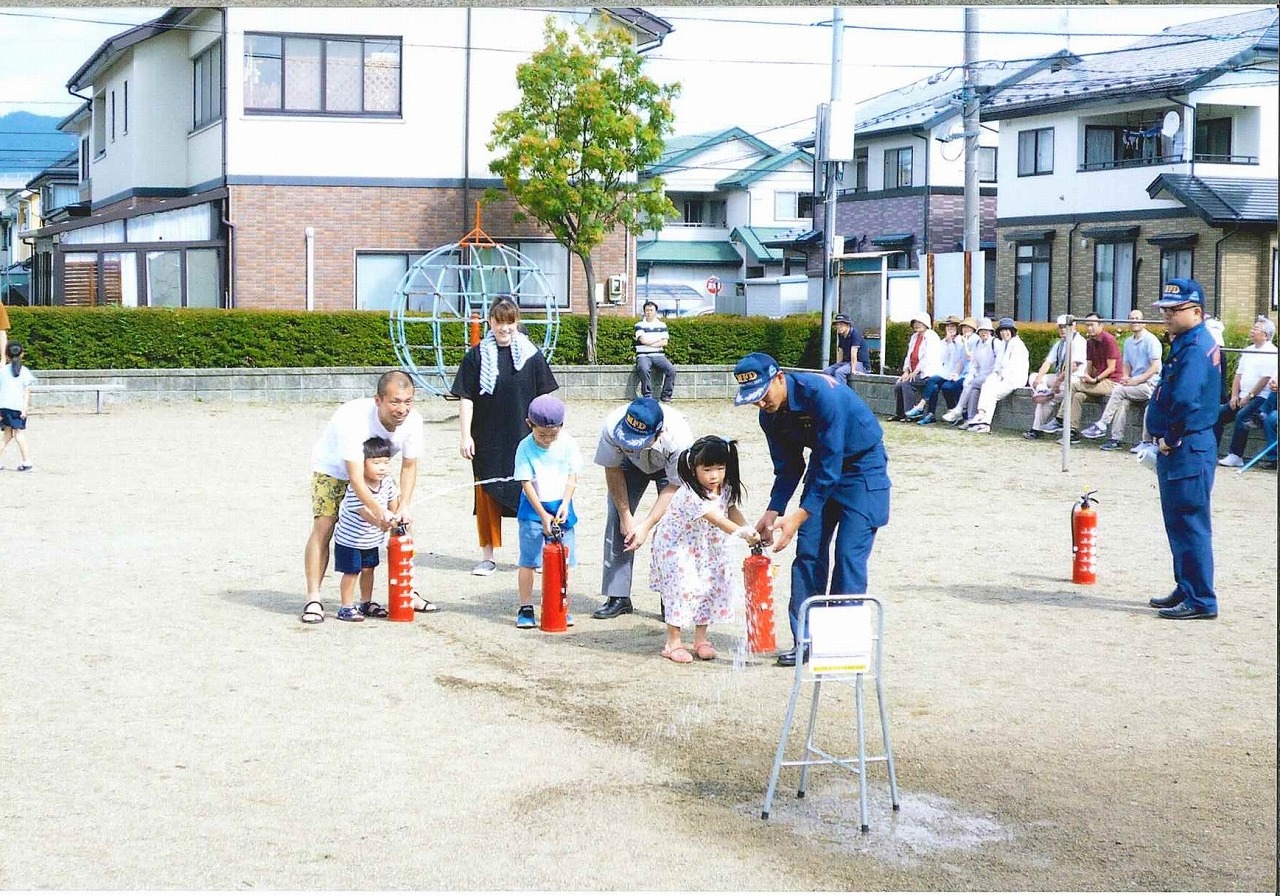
(739, 203)
(1130, 167)
(297, 158)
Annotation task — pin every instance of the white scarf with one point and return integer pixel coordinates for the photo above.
(522, 349)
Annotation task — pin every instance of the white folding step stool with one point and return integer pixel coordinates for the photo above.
(838, 644)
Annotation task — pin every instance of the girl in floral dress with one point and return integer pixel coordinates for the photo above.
(689, 561)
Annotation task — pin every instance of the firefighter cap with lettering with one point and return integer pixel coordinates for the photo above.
(1180, 291)
(753, 375)
(640, 424)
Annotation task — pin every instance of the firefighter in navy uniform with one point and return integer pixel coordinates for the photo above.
(1180, 417)
(846, 481)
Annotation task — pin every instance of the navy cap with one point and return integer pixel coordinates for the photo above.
(753, 374)
(640, 425)
(1181, 291)
(1006, 323)
(546, 410)
(841, 319)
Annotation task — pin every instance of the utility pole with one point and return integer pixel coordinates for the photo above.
(830, 171)
(972, 130)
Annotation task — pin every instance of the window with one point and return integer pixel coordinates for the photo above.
(113, 116)
(986, 164)
(207, 86)
(897, 168)
(1175, 263)
(786, 206)
(804, 205)
(125, 129)
(1035, 152)
(100, 123)
(1113, 279)
(84, 160)
(860, 157)
(1116, 147)
(321, 75)
(1031, 281)
(1213, 140)
(704, 212)
(379, 274)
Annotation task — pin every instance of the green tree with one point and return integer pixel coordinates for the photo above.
(569, 153)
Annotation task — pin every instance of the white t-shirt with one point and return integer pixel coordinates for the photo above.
(1257, 363)
(12, 387)
(548, 469)
(343, 439)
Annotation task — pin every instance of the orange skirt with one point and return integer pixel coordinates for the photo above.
(488, 519)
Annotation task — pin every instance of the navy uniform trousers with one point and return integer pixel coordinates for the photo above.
(1186, 481)
(855, 509)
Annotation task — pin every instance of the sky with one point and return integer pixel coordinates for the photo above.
(762, 68)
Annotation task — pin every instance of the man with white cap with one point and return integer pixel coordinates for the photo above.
(1048, 384)
(640, 443)
(846, 480)
(1180, 417)
(923, 360)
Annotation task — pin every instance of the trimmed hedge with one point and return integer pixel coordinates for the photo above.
(140, 338)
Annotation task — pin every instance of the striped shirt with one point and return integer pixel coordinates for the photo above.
(649, 328)
(354, 531)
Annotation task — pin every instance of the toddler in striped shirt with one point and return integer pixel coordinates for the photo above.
(361, 531)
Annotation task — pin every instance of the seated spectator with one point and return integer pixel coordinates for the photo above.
(851, 350)
(1141, 360)
(651, 353)
(1102, 371)
(982, 360)
(924, 359)
(1268, 460)
(1048, 385)
(1249, 388)
(947, 381)
(1012, 366)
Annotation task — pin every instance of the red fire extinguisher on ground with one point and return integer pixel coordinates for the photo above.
(400, 575)
(1084, 540)
(555, 582)
(757, 572)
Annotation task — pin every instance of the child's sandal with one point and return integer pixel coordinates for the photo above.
(678, 654)
(704, 650)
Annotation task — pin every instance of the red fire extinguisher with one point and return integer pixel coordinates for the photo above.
(1084, 540)
(400, 575)
(757, 572)
(555, 582)
(474, 335)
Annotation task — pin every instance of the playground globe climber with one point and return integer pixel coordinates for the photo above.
(441, 305)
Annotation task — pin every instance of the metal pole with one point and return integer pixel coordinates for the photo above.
(1066, 394)
(972, 219)
(829, 282)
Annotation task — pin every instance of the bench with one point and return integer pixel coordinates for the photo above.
(100, 388)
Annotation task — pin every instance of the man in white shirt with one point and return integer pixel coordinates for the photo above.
(651, 353)
(1249, 388)
(1048, 384)
(640, 443)
(1141, 361)
(338, 460)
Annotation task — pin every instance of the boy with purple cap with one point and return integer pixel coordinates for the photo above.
(846, 480)
(547, 465)
(1180, 417)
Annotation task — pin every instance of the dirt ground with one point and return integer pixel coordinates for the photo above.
(168, 723)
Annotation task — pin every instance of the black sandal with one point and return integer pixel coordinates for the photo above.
(310, 616)
(373, 610)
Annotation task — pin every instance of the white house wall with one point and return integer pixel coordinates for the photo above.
(795, 178)
(701, 173)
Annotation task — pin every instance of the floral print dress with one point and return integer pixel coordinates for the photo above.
(690, 563)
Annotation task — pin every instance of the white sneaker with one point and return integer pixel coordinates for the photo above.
(1140, 447)
(1093, 431)
(484, 568)
(952, 415)
(1231, 460)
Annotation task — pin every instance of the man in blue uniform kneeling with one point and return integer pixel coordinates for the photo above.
(1180, 417)
(846, 481)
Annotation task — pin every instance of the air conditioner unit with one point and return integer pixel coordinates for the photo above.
(617, 283)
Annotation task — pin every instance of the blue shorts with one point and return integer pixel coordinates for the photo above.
(532, 540)
(352, 560)
(11, 418)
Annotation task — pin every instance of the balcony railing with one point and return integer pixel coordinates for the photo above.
(1112, 164)
(1212, 159)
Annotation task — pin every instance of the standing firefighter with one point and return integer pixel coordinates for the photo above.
(1180, 417)
(846, 481)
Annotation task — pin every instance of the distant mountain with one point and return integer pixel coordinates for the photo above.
(29, 144)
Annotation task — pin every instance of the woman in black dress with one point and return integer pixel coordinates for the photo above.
(496, 382)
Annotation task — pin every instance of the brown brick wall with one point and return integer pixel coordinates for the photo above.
(270, 242)
(1246, 268)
